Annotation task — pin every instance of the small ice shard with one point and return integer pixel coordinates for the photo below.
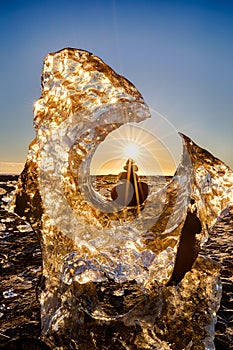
(106, 270)
(6, 199)
(9, 293)
(8, 219)
(2, 227)
(7, 235)
(2, 307)
(24, 228)
(7, 265)
(2, 191)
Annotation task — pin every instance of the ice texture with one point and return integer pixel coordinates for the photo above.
(107, 268)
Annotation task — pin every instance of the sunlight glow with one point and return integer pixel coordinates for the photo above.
(154, 145)
(131, 150)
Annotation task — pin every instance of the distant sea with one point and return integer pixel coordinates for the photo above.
(10, 168)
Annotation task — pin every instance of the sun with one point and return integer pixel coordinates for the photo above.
(144, 145)
(131, 150)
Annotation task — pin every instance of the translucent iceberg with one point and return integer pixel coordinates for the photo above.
(109, 270)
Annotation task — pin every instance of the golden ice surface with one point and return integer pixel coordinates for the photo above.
(106, 268)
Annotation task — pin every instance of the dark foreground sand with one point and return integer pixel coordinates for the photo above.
(20, 278)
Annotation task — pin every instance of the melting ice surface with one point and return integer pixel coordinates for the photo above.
(107, 268)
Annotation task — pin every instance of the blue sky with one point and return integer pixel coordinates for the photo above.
(179, 55)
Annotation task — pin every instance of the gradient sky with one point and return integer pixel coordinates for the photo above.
(179, 54)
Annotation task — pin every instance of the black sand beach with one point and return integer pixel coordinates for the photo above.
(21, 266)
